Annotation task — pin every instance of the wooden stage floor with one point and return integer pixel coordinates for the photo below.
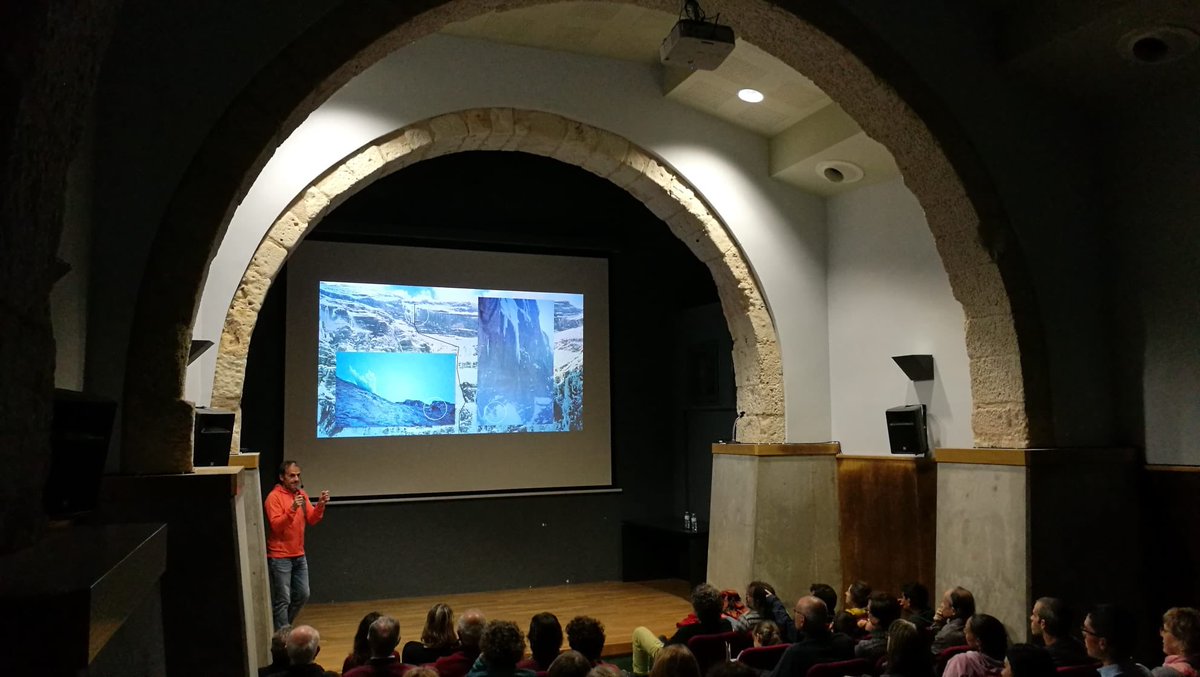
(621, 607)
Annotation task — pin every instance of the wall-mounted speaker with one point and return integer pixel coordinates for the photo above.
(213, 437)
(906, 430)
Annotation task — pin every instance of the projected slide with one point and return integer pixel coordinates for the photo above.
(403, 360)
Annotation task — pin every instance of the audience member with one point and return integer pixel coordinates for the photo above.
(501, 648)
(854, 616)
(958, 604)
(758, 602)
(1028, 660)
(766, 633)
(421, 671)
(1050, 621)
(882, 610)
(361, 652)
(569, 663)
(279, 660)
(586, 635)
(437, 638)
(604, 670)
(706, 604)
(989, 643)
(470, 629)
(1110, 633)
(815, 643)
(907, 654)
(675, 660)
(732, 669)
(303, 645)
(545, 641)
(825, 593)
(383, 637)
(1180, 642)
(914, 603)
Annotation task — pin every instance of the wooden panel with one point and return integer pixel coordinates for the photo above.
(244, 460)
(888, 513)
(1033, 457)
(621, 607)
(797, 449)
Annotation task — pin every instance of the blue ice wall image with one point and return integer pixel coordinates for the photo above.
(516, 364)
(395, 390)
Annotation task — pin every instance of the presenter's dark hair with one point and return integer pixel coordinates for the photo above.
(284, 466)
(917, 594)
(1028, 660)
(860, 594)
(825, 593)
(586, 635)
(545, 638)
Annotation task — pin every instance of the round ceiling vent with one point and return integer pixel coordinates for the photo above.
(1158, 45)
(839, 171)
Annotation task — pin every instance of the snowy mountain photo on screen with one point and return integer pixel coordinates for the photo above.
(408, 360)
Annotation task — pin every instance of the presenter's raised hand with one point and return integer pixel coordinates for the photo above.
(297, 501)
(324, 498)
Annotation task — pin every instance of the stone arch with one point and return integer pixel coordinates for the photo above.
(986, 269)
(756, 357)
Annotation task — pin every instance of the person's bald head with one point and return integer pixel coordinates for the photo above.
(470, 628)
(811, 613)
(303, 645)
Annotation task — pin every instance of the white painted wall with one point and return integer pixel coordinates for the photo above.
(889, 295)
(781, 229)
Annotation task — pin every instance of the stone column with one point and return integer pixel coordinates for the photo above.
(1017, 524)
(774, 516)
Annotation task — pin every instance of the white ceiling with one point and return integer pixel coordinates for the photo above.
(803, 126)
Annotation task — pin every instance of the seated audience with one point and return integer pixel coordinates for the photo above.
(382, 637)
(1050, 621)
(1180, 642)
(825, 593)
(569, 663)
(675, 661)
(907, 655)
(470, 630)
(1110, 635)
(858, 595)
(882, 610)
(706, 604)
(279, 659)
(766, 633)
(501, 647)
(303, 645)
(545, 641)
(437, 638)
(989, 643)
(914, 603)
(815, 643)
(1028, 660)
(958, 604)
(758, 605)
(586, 635)
(361, 651)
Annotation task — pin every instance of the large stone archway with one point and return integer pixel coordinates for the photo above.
(756, 356)
(986, 270)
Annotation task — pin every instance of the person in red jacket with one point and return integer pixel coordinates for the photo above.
(288, 512)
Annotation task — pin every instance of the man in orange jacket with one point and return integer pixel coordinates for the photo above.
(288, 511)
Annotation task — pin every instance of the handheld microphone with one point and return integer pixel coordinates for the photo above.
(733, 434)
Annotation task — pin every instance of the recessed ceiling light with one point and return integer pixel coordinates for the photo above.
(839, 171)
(750, 95)
(1158, 45)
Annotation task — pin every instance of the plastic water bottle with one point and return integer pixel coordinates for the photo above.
(687, 521)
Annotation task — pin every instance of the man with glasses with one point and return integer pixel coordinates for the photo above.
(1109, 633)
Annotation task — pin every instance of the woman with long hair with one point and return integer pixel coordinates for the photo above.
(361, 653)
(438, 638)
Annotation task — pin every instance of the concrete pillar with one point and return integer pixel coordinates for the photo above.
(252, 544)
(774, 516)
(1017, 524)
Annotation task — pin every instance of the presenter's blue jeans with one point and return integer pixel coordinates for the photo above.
(289, 587)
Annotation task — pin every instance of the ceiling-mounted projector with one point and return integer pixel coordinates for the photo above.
(696, 44)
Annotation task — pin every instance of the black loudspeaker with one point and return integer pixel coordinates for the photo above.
(213, 438)
(906, 430)
(79, 435)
